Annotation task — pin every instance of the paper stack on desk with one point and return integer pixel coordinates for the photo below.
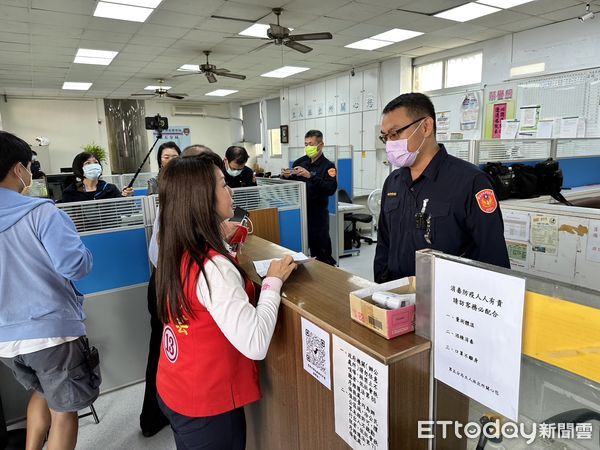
(263, 266)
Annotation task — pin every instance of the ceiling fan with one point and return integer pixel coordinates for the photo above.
(280, 35)
(210, 70)
(161, 92)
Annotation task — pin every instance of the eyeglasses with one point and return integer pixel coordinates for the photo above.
(393, 135)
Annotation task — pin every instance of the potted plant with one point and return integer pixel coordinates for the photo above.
(96, 150)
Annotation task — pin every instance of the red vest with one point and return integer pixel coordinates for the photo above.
(200, 373)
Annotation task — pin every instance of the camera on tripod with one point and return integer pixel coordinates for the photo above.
(157, 123)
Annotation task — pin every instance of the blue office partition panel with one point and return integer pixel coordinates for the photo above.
(290, 229)
(140, 192)
(120, 260)
(580, 171)
(344, 172)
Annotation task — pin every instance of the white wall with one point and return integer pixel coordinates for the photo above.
(73, 123)
(69, 124)
(218, 129)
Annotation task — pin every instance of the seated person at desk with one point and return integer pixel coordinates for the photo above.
(238, 174)
(166, 152)
(87, 169)
(319, 174)
(214, 328)
(36, 167)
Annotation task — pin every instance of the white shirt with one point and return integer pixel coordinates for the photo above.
(10, 349)
(248, 328)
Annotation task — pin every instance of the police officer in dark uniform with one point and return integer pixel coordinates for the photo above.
(320, 177)
(433, 200)
(237, 173)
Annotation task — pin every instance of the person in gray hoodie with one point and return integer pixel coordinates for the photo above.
(42, 334)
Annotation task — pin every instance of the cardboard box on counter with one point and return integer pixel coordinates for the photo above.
(386, 322)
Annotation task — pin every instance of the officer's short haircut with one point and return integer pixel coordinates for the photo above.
(417, 105)
(314, 133)
(13, 150)
(194, 150)
(236, 154)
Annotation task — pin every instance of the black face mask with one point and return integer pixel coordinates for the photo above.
(35, 167)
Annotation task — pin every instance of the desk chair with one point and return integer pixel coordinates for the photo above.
(354, 218)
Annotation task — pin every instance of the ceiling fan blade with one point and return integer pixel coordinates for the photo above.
(246, 37)
(186, 74)
(297, 46)
(310, 36)
(177, 96)
(214, 16)
(220, 71)
(260, 47)
(211, 77)
(142, 95)
(233, 75)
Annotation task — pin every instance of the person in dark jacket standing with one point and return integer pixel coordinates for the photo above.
(320, 176)
(238, 174)
(89, 186)
(433, 199)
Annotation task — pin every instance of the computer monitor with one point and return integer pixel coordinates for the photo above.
(66, 170)
(57, 183)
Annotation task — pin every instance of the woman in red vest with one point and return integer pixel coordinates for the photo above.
(214, 331)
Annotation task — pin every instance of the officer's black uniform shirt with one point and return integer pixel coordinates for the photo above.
(458, 224)
(246, 178)
(322, 182)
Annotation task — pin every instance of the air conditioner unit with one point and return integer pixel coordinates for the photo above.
(185, 110)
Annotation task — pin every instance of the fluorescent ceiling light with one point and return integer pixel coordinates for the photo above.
(257, 30)
(384, 39)
(527, 69)
(221, 92)
(70, 85)
(153, 88)
(467, 12)
(189, 68)
(122, 12)
(396, 35)
(99, 57)
(368, 44)
(504, 4)
(144, 3)
(284, 72)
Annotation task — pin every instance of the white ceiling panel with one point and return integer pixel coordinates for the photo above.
(38, 40)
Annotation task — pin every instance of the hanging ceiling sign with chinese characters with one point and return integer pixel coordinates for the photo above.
(478, 329)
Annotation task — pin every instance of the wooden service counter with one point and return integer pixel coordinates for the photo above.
(297, 411)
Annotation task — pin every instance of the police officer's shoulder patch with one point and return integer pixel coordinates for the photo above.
(486, 200)
(332, 172)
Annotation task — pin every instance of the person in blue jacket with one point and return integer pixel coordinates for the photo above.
(42, 334)
(433, 199)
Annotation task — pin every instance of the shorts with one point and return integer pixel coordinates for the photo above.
(66, 375)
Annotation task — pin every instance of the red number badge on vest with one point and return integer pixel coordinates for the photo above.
(487, 201)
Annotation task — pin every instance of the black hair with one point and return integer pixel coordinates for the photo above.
(78, 162)
(416, 104)
(169, 144)
(13, 150)
(314, 133)
(237, 154)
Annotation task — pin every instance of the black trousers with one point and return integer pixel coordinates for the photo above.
(225, 431)
(319, 241)
(152, 417)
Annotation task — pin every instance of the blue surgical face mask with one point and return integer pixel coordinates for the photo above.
(92, 171)
(234, 173)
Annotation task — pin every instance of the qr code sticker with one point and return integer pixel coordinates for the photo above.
(315, 350)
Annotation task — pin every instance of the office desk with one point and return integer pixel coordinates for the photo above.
(296, 411)
(346, 208)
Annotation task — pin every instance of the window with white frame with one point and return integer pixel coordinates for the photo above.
(275, 137)
(463, 70)
(428, 77)
(452, 72)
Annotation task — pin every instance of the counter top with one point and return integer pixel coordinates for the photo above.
(320, 293)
